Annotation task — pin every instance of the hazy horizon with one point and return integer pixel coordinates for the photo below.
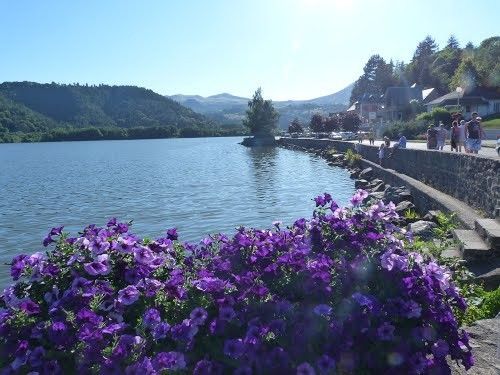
(294, 50)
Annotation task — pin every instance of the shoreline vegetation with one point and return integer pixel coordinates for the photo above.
(100, 134)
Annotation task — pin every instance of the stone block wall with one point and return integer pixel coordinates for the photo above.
(474, 180)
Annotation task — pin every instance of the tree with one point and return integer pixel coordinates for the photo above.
(466, 76)
(419, 68)
(316, 123)
(261, 117)
(331, 123)
(295, 126)
(350, 121)
(377, 76)
(452, 42)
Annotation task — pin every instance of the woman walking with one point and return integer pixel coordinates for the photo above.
(455, 134)
(461, 136)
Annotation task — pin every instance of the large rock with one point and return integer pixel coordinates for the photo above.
(422, 228)
(404, 206)
(360, 184)
(397, 194)
(379, 187)
(485, 343)
(366, 173)
(491, 280)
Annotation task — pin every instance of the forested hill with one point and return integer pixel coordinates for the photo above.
(28, 107)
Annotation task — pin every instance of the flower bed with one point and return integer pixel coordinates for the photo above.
(336, 293)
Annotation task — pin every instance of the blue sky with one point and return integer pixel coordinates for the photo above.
(295, 49)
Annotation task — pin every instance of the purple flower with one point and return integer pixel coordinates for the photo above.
(144, 367)
(440, 348)
(363, 300)
(143, 255)
(18, 265)
(185, 331)
(305, 369)
(385, 331)
(325, 364)
(244, 370)
(169, 361)
(36, 357)
(210, 284)
(98, 267)
(172, 234)
(358, 198)
(160, 330)
(151, 317)
(226, 313)
(198, 316)
(29, 307)
(56, 231)
(128, 295)
(234, 348)
(204, 367)
(58, 332)
(323, 310)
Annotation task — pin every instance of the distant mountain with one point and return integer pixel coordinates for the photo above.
(35, 107)
(227, 108)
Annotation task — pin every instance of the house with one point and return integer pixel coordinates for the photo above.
(397, 100)
(484, 101)
(366, 107)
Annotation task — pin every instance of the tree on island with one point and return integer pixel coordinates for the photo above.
(261, 117)
(295, 126)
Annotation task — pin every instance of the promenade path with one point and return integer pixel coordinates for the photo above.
(485, 151)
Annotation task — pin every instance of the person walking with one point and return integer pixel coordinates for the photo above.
(461, 136)
(431, 138)
(381, 154)
(441, 136)
(371, 137)
(455, 134)
(474, 134)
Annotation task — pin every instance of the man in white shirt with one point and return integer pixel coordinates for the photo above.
(461, 136)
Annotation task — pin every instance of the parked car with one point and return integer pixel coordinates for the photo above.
(348, 136)
(335, 135)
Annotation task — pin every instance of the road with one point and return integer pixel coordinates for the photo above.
(485, 151)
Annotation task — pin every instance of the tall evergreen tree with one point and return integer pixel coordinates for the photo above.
(452, 42)
(466, 76)
(419, 68)
(261, 117)
(377, 76)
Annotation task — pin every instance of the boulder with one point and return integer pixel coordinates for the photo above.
(485, 342)
(432, 215)
(404, 206)
(366, 173)
(490, 280)
(376, 182)
(397, 194)
(422, 229)
(378, 195)
(360, 184)
(379, 187)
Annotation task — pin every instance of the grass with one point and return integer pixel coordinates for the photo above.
(492, 124)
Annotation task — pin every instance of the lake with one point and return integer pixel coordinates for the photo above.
(200, 186)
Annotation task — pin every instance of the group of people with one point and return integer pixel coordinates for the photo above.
(385, 147)
(462, 134)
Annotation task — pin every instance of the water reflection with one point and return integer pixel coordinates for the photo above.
(264, 161)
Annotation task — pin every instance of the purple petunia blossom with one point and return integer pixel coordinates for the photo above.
(234, 348)
(151, 317)
(305, 369)
(128, 295)
(198, 316)
(143, 255)
(98, 267)
(169, 361)
(385, 331)
(29, 307)
(325, 364)
(440, 348)
(226, 313)
(172, 234)
(204, 367)
(323, 310)
(184, 332)
(358, 198)
(160, 330)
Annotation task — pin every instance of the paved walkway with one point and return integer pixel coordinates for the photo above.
(486, 151)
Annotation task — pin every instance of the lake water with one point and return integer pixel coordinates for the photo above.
(200, 186)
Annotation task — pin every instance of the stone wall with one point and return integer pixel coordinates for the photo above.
(474, 180)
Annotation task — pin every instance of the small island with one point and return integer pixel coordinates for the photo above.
(261, 121)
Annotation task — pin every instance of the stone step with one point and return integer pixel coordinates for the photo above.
(471, 245)
(489, 230)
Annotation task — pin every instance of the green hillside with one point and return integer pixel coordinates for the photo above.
(32, 111)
